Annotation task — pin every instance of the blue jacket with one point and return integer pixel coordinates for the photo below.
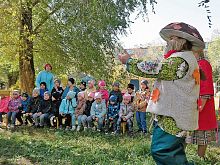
(25, 104)
(98, 109)
(75, 89)
(113, 110)
(46, 77)
(68, 106)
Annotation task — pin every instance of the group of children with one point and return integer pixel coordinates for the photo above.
(80, 108)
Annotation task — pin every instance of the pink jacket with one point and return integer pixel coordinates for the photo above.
(4, 104)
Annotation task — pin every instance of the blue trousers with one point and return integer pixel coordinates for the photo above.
(13, 116)
(141, 120)
(167, 149)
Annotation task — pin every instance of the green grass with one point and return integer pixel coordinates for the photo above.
(43, 146)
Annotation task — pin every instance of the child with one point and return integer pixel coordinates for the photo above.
(82, 86)
(91, 88)
(43, 111)
(13, 105)
(81, 103)
(43, 89)
(25, 99)
(130, 91)
(67, 109)
(141, 100)
(125, 113)
(112, 115)
(103, 91)
(86, 113)
(71, 86)
(33, 105)
(57, 87)
(116, 91)
(3, 107)
(56, 101)
(98, 112)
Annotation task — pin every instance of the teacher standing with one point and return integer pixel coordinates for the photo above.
(47, 77)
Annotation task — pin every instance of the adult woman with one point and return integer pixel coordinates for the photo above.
(207, 117)
(174, 98)
(47, 77)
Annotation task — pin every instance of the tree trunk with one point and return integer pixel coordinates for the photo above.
(26, 62)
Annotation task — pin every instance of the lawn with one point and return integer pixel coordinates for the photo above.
(27, 145)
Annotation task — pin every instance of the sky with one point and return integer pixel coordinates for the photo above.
(141, 33)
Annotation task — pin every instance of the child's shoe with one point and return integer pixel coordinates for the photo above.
(12, 126)
(85, 128)
(8, 126)
(78, 128)
(67, 129)
(73, 128)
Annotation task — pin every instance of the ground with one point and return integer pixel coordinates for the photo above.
(26, 145)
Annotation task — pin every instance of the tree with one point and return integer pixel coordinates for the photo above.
(82, 33)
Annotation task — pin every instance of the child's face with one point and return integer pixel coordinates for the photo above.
(57, 84)
(15, 95)
(81, 86)
(102, 87)
(24, 98)
(35, 94)
(42, 86)
(90, 85)
(48, 68)
(80, 98)
(126, 101)
(90, 98)
(143, 86)
(112, 103)
(130, 90)
(115, 88)
(98, 100)
(46, 97)
(69, 83)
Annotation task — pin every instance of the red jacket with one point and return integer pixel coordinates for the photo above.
(4, 105)
(207, 117)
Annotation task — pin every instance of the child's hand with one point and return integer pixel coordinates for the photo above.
(124, 119)
(96, 119)
(110, 118)
(30, 113)
(23, 112)
(39, 113)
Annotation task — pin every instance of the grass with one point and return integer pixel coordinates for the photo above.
(27, 145)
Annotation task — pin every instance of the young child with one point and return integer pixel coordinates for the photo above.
(56, 101)
(91, 88)
(86, 113)
(67, 109)
(125, 113)
(13, 105)
(57, 87)
(25, 100)
(81, 103)
(71, 86)
(130, 91)
(33, 105)
(3, 107)
(103, 91)
(98, 112)
(43, 111)
(112, 114)
(43, 89)
(141, 100)
(82, 86)
(116, 91)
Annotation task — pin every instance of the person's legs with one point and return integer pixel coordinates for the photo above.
(138, 119)
(73, 120)
(36, 119)
(202, 150)
(14, 114)
(90, 121)
(100, 123)
(84, 122)
(118, 124)
(68, 120)
(143, 121)
(115, 124)
(167, 149)
(43, 119)
(129, 123)
(9, 114)
(60, 118)
(18, 116)
(0, 117)
(80, 120)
